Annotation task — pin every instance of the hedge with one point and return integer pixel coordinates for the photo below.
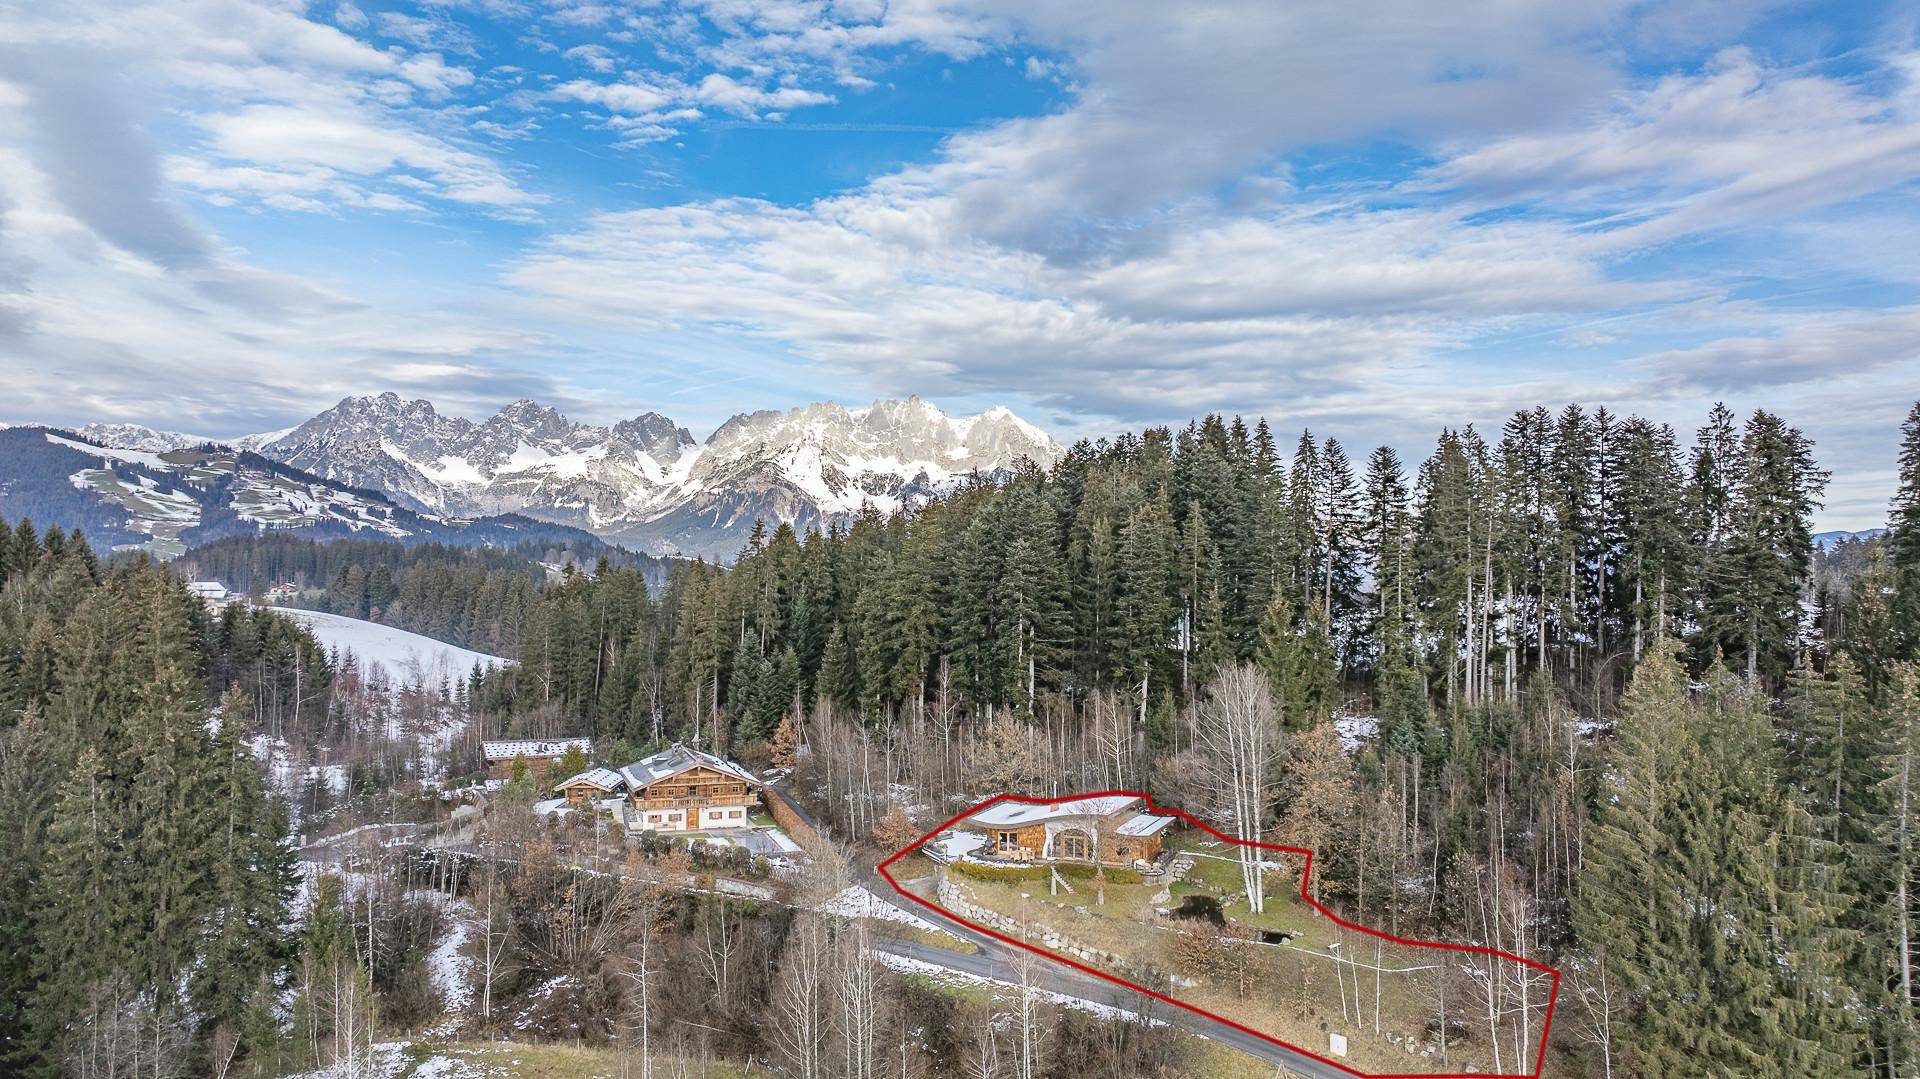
(1075, 870)
(1114, 874)
(1000, 872)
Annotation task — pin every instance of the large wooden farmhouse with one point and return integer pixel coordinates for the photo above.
(675, 790)
(541, 754)
(1110, 829)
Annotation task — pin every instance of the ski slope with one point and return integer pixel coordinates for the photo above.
(407, 657)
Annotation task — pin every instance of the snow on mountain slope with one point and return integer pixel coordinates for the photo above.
(646, 481)
(169, 492)
(134, 436)
(407, 657)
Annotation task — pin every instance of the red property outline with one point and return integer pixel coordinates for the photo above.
(1540, 1055)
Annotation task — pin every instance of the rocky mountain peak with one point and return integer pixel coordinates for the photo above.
(135, 436)
(538, 422)
(654, 434)
(645, 481)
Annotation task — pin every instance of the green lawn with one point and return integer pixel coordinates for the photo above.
(1216, 872)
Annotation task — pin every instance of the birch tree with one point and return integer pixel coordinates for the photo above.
(1238, 731)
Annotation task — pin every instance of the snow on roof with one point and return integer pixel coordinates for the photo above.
(1022, 813)
(671, 762)
(952, 846)
(509, 748)
(1144, 824)
(605, 778)
(206, 588)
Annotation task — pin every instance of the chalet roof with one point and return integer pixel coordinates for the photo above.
(508, 748)
(605, 778)
(1006, 813)
(206, 588)
(671, 762)
(1144, 824)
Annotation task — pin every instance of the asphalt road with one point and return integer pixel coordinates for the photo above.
(995, 960)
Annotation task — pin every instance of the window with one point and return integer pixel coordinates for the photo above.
(1009, 841)
(1073, 844)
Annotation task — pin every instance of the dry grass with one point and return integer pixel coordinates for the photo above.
(523, 1060)
(933, 937)
(1296, 992)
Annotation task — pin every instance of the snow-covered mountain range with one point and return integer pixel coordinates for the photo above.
(644, 482)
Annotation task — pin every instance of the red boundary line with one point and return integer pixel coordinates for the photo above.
(1540, 1057)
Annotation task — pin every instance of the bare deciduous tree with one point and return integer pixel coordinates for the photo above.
(1238, 731)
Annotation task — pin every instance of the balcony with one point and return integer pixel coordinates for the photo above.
(695, 801)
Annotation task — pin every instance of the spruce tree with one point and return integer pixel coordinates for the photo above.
(252, 878)
(85, 926)
(1148, 605)
(1893, 897)
(1771, 546)
(1904, 541)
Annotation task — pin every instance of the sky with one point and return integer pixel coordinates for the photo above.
(1373, 218)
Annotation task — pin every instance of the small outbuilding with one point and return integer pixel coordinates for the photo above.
(590, 786)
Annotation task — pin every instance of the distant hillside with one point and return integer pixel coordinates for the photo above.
(164, 502)
(1827, 541)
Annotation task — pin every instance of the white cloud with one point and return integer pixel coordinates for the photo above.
(1735, 145)
(1810, 347)
(1161, 240)
(596, 57)
(633, 97)
(306, 137)
(432, 74)
(741, 99)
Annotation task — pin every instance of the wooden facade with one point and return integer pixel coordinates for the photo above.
(694, 788)
(541, 754)
(1073, 837)
(685, 790)
(581, 792)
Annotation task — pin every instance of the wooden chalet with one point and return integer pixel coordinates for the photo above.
(592, 785)
(1110, 830)
(685, 790)
(541, 754)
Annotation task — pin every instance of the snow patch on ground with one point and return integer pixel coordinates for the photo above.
(954, 845)
(858, 902)
(448, 967)
(1355, 730)
(391, 1060)
(903, 965)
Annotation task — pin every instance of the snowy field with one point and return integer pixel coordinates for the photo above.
(406, 657)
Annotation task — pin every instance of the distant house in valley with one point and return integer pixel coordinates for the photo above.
(1110, 829)
(592, 785)
(541, 754)
(281, 593)
(212, 593)
(685, 790)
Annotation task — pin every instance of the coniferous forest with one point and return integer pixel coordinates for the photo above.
(1582, 689)
(1604, 712)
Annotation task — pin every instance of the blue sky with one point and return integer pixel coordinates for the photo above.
(223, 215)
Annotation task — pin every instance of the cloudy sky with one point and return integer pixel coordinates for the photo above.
(1371, 217)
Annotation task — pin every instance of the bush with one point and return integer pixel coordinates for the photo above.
(1000, 872)
(1072, 870)
(1114, 874)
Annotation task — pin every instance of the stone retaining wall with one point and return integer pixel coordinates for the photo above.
(955, 900)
